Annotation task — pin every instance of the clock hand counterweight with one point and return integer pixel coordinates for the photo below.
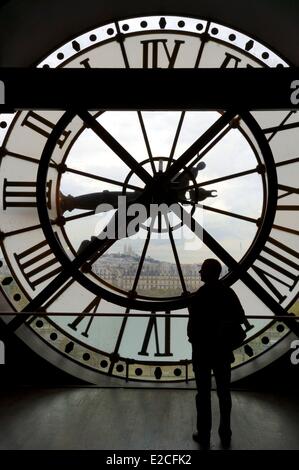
(92, 201)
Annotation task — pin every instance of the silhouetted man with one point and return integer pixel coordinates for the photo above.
(213, 308)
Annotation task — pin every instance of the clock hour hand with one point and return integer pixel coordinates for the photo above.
(88, 250)
(93, 201)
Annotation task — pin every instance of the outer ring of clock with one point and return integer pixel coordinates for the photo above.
(259, 361)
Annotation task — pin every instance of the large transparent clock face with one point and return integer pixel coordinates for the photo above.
(238, 188)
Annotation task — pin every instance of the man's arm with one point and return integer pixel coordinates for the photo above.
(190, 325)
(189, 331)
(236, 308)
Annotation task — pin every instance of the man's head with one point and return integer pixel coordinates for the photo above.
(210, 270)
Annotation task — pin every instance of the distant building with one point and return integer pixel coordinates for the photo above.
(156, 277)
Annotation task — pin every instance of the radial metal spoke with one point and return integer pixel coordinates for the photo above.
(229, 214)
(120, 40)
(287, 162)
(177, 260)
(288, 190)
(102, 178)
(288, 208)
(204, 39)
(176, 137)
(286, 229)
(223, 178)
(275, 129)
(146, 141)
(21, 230)
(115, 146)
(24, 157)
(141, 261)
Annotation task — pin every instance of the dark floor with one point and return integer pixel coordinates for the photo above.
(95, 418)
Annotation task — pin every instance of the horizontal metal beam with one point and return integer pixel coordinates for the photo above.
(289, 316)
(149, 89)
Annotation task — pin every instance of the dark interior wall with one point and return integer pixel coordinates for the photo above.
(31, 28)
(28, 28)
(23, 367)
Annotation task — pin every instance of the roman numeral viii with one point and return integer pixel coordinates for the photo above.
(37, 264)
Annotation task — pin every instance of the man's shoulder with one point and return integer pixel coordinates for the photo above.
(229, 290)
(200, 292)
(209, 288)
(230, 296)
(215, 289)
